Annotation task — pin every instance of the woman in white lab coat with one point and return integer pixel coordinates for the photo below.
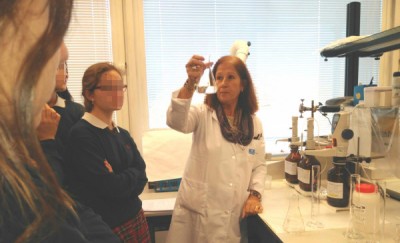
(224, 176)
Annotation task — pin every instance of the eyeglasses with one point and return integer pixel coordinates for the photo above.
(63, 66)
(112, 87)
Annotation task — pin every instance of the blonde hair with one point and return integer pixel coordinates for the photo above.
(25, 175)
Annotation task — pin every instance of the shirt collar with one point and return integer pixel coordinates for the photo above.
(93, 120)
(60, 102)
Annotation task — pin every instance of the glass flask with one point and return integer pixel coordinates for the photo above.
(304, 171)
(338, 184)
(291, 163)
(207, 83)
(294, 221)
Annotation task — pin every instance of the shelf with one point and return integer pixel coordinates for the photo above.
(370, 46)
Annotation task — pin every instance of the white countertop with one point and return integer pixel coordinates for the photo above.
(276, 204)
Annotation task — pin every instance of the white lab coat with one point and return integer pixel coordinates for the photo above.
(216, 179)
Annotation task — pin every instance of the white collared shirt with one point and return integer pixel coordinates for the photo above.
(92, 119)
(60, 102)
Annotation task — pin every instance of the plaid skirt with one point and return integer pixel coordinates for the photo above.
(135, 230)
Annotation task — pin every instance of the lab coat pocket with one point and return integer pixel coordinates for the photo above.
(193, 195)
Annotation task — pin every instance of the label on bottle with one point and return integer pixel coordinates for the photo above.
(303, 175)
(290, 167)
(335, 190)
(366, 212)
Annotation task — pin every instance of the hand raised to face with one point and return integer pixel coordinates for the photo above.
(48, 126)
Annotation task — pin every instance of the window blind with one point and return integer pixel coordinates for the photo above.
(88, 40)
(286, 37)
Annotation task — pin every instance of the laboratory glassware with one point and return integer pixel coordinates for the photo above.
(207, 83)
(291, 163)
(304, 171)
(315, 197)
(294, 221)
(338, 183)
(396, 89)
(352, 231)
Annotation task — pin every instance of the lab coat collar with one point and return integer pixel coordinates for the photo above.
(93, 120)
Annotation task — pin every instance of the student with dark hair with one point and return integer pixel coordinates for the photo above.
(61, 101)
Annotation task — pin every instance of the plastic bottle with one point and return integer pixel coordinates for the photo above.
(367, 201)
(338, 187)
(304, 171)
(291, 163)
(396, 89)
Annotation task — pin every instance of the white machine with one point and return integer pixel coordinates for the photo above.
(240, 48)
(341, 134)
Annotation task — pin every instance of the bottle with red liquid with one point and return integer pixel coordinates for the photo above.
(291, 163)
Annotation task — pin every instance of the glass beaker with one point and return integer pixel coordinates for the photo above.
(294, 221)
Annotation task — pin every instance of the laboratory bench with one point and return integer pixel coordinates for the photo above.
(267, 227)
(335, 222)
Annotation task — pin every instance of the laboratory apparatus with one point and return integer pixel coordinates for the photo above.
(377, 140)
(315, 197)
(367, 209)
(207, 82)
(294, 157)
(294, 220)
(240, 48)
(307, 159)
(396, 89)
(352, 232)
(291, 164)
(338, 187)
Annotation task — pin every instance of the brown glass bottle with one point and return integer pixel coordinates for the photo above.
(291, 163)
(304, 171)
(338, 184)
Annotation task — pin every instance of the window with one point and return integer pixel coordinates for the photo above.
(88, 40)
(286, 37)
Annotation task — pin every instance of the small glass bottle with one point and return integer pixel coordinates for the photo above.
(291, 163)
(304, 171)
(338, 187)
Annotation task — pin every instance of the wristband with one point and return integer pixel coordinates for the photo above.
(256, 194)
(189, 86)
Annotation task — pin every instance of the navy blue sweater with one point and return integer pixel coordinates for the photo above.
(105, 171)
(70, 114)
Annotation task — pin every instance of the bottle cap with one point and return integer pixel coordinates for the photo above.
(365, 188)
